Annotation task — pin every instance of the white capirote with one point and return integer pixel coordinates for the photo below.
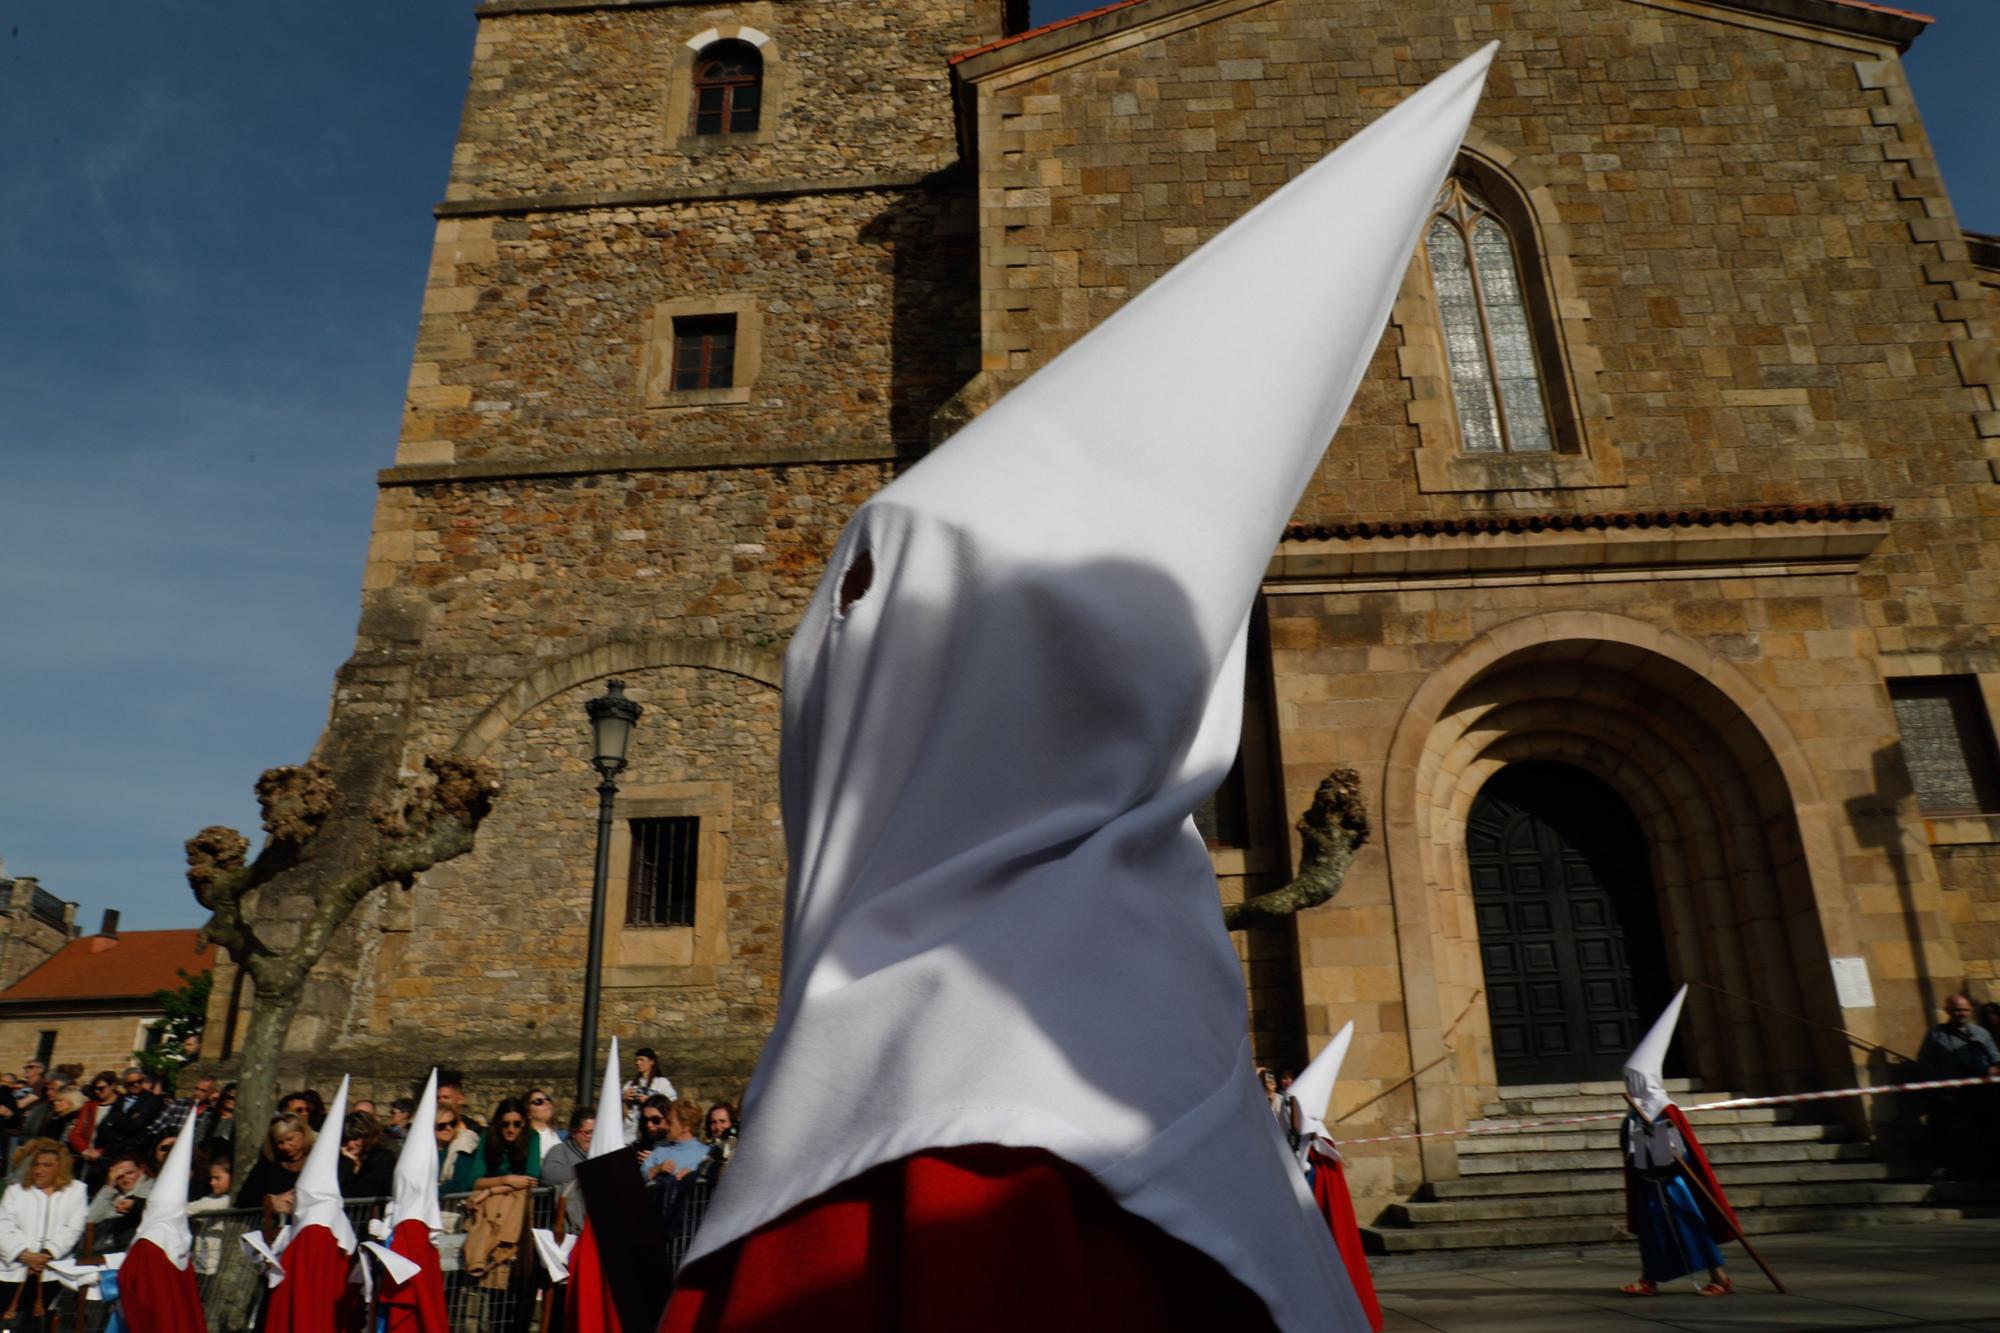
(1020, 675)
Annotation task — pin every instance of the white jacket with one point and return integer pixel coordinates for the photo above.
(31, 1220)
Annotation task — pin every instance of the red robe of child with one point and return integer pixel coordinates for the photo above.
(157, 1295)
(1715, 1210)
(416, 1306)
(980, 1239)
(587, 1304)
(1336, 1205)
(315, 1296)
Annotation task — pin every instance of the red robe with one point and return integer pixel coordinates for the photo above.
(981, 1239)
(417, 1306)
(1336, 1205)
(158, 1295)
(315, 1296)
(587, 1306)
(1715, 1210)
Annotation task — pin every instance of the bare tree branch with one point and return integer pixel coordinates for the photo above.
(322, 847)
(1333, 828)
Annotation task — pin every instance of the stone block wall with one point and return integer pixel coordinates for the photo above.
(574, 98)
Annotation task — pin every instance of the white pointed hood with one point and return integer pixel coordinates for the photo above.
(1313, 1089)
(415, 1193)
(319, 1202)
(165, 1219)
(1643, 1068)
(609, 1135)
(1001, 926)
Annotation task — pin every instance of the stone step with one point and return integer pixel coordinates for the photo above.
(1610, 1229)
(1573, 1103)
(1608, 1088)
(1721, 1154)
(1584, 1138)
(1745, 1198)
(1589, 1182)
(1748, 1115)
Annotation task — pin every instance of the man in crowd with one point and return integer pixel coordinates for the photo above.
(125, 1125)
(451, 1094)
(559, 1164)
(1959, 1048)
(197, 1107)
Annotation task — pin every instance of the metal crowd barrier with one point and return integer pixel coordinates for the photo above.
(233, 1288)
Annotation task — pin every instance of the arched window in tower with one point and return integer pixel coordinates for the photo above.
(1489, 346)
(728, 88)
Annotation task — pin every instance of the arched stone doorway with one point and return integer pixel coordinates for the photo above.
(1742, 856)
(1569, 931)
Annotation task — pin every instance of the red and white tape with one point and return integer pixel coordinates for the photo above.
(1733, 1104)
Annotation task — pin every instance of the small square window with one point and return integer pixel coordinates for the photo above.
(1947, 743)
(704, 352)
(660, 887)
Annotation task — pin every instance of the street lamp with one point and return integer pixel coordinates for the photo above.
(612, 716)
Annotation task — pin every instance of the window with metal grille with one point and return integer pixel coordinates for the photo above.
(1488, 343)
(660, 888)
(704, 351)
(1947, 743)
(728, 88)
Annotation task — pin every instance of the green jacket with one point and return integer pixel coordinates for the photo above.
(477, 1165)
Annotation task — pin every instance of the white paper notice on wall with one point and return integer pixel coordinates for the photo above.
(1851, 983)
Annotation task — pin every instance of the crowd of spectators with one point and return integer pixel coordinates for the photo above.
(84, 1151)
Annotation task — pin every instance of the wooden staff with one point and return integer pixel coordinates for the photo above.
(1694, 1178)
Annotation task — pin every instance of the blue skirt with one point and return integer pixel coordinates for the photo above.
(1673, 1238)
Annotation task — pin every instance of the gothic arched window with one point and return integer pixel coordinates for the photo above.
(1489, 345)
(728, 86)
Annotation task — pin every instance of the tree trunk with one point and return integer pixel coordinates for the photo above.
(275, 1003)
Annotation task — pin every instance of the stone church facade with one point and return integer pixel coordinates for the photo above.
(1650, 584)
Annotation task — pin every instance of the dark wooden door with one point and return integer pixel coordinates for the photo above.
(1568, 930)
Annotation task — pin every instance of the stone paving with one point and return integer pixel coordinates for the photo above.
(1941, 1276)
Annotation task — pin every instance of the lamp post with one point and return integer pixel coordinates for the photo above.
(612, 716)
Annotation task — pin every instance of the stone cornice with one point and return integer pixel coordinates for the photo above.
(1584, 550)
(668, 195)
(503, 8)
(590, 465)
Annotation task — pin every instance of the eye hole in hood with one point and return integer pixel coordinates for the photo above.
(854, 584)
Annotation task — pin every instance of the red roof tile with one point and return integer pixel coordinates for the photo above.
(1660, 518)
(133, 963)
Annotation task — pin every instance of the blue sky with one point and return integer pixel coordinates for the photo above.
(214, 225)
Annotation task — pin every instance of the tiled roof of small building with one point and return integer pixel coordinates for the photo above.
(1474, 524)
(129, 965)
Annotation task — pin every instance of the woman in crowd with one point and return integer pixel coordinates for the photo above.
(306, 1104)
(115, 1212)
(65, 1102)
(508, 1156)
(271, 1183)
(719, 1130)
(367, 1167)
(41, 1218)
(542, 1118)
(647, 1081)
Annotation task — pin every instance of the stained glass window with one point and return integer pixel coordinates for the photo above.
(1489, 346)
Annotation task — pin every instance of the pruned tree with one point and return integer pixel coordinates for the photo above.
(321, 852)
(1334, 827)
